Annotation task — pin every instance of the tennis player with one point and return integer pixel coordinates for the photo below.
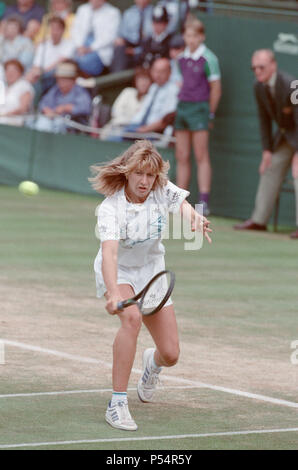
(131, 220)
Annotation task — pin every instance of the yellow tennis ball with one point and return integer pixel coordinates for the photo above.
(29, 188)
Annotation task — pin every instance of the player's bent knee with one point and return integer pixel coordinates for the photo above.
(132, 321)
(171, 357)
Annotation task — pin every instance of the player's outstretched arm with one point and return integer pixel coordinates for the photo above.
(198, 222)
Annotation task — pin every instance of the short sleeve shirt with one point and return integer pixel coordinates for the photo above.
(138, 227)
(198, 70)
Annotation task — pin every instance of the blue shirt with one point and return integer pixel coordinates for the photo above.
(35, 13)
(78, 97)
(131, 21)
(165, 101)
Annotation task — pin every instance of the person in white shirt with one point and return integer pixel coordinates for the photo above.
(18, 95)
(94, 31)
(48, 55)
(127, 104)
(129, 256)
(13, 44)
(160, 102)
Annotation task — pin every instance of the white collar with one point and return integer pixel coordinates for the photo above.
(272, 80)
(196, 54)
(123, 197)
(160, 37)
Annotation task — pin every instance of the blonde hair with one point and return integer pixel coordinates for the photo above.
(111, 176)
(195, 24)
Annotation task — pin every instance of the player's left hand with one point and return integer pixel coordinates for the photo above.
(201, 224)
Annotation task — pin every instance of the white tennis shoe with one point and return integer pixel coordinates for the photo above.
(119, 417)
(149, 380)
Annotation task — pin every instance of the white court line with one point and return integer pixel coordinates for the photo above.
(77, 392)
(148, 438)
(239, 393)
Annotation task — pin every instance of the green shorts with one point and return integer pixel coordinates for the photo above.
(192, 116)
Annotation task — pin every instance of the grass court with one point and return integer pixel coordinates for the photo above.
(235, 386)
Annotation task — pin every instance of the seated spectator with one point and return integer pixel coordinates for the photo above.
(65, 98)
(135, 26)
(159, 103)
(177, 12)
(31, 14)
(157, 45)
(127, 104)
(48, 55)
(177, 46)
(18, 94)
(13, 45)
(61, 9)
(94, 32)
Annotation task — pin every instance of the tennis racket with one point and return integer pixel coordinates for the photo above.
(154, 295)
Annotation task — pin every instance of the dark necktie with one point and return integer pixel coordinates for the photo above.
(142, 15)
(148, 110)
(270, 100)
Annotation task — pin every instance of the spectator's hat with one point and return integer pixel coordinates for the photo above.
(67, 70)
(160, 14)
(177, 42)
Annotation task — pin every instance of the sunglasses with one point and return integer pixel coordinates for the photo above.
(255, 67)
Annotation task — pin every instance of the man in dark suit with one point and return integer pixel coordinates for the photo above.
(280, 150)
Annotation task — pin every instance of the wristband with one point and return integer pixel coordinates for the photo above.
(211, 116)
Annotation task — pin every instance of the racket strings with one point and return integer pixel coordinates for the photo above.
(156, 293)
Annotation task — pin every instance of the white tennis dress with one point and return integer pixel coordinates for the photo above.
(139, 229)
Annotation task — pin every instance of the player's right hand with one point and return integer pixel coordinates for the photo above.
(112, 304)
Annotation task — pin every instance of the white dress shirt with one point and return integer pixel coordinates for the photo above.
(103, 24)
(13, 95)
(165, 102)
(48, 54)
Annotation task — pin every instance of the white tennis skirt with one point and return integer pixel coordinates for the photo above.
(137, 277)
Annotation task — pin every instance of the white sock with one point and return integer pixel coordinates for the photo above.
(153, 365)
(118, 396)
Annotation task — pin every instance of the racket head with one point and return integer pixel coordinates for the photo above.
(157, 292)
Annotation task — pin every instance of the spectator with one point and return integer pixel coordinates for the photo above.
(18, 94)
(30, 13)
(128, 104)
(13, 45)
(135, 26)
(177, 12)
(94, 33)
(159, 103)
(65, 98)
(48, 55)
(280, 151)
(177, 46)
(157, 45)
(198, 100)
(61, 9)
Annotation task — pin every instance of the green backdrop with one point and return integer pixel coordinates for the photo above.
(63, 161)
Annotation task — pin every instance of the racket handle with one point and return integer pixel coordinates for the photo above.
(120, 305)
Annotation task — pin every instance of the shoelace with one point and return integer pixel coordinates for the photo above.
(124, 411)
(152, 380)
